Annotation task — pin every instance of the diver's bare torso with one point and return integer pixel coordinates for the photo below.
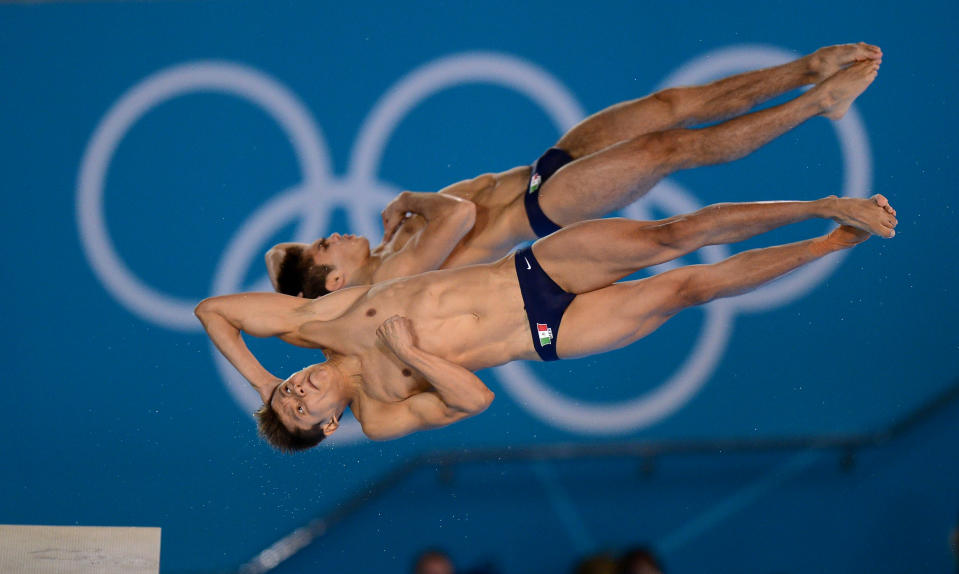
(472, 317)
(500, 220)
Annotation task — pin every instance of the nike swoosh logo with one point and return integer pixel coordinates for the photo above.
(527, 263)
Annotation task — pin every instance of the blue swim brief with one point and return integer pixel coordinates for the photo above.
(545, 303)
(548, 164)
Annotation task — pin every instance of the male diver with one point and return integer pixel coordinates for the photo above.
(606, 162)
(401, 353)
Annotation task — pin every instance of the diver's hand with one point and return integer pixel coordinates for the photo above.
(394, 214)
(397, 334)
(266, 387)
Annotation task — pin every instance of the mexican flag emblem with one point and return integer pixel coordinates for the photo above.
(545, 334)
(534, 183)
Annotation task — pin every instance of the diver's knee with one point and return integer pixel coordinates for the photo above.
(668, 150)
(677, 234)
(694, 287)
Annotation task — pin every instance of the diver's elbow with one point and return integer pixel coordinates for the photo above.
(482, 402)
(466, 214)
(205, 308)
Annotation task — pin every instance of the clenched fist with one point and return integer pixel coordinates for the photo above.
(397, 334)
(394, 214)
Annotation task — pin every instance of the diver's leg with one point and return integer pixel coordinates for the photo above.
(592, 254)
(620, 314)
(603, 182)
(692, 105)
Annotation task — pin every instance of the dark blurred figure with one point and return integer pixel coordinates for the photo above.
(433, 561)
(597, 564)
(954, 542)
(640, 560)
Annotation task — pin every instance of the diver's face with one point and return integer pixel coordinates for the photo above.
(306, 398)
(346, 253)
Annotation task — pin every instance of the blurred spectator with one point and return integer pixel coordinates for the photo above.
(433, 561)
(954, 542)
(598, 564)
(640, 560)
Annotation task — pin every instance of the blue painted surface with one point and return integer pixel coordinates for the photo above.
(115, 419)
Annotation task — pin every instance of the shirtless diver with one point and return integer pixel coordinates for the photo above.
(401, 354)
(606, 162)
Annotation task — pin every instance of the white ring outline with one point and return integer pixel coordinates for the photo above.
(204, 76)
(451, 71)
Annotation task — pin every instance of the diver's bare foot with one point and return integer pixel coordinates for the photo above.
(882, 202)
(826, 61)
(873, 215)
(839, 91)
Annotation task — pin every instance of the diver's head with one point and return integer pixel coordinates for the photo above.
(304, 409)
(321, 267)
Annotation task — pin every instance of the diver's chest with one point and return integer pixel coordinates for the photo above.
(391, 381)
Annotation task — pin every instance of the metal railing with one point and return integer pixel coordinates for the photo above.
(646, 451)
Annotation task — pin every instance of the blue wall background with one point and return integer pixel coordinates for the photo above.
(115, 418)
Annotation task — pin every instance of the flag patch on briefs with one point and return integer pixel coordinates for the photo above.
(534, 183)
(545, 334)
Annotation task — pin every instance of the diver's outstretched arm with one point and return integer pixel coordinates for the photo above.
(260, 315)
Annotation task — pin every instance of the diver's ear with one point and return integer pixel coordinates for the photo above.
(331, 426)
(335, 279)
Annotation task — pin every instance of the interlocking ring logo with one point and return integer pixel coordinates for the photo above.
(313, 199)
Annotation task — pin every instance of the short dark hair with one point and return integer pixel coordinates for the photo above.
(283, 439)
(298, 274)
